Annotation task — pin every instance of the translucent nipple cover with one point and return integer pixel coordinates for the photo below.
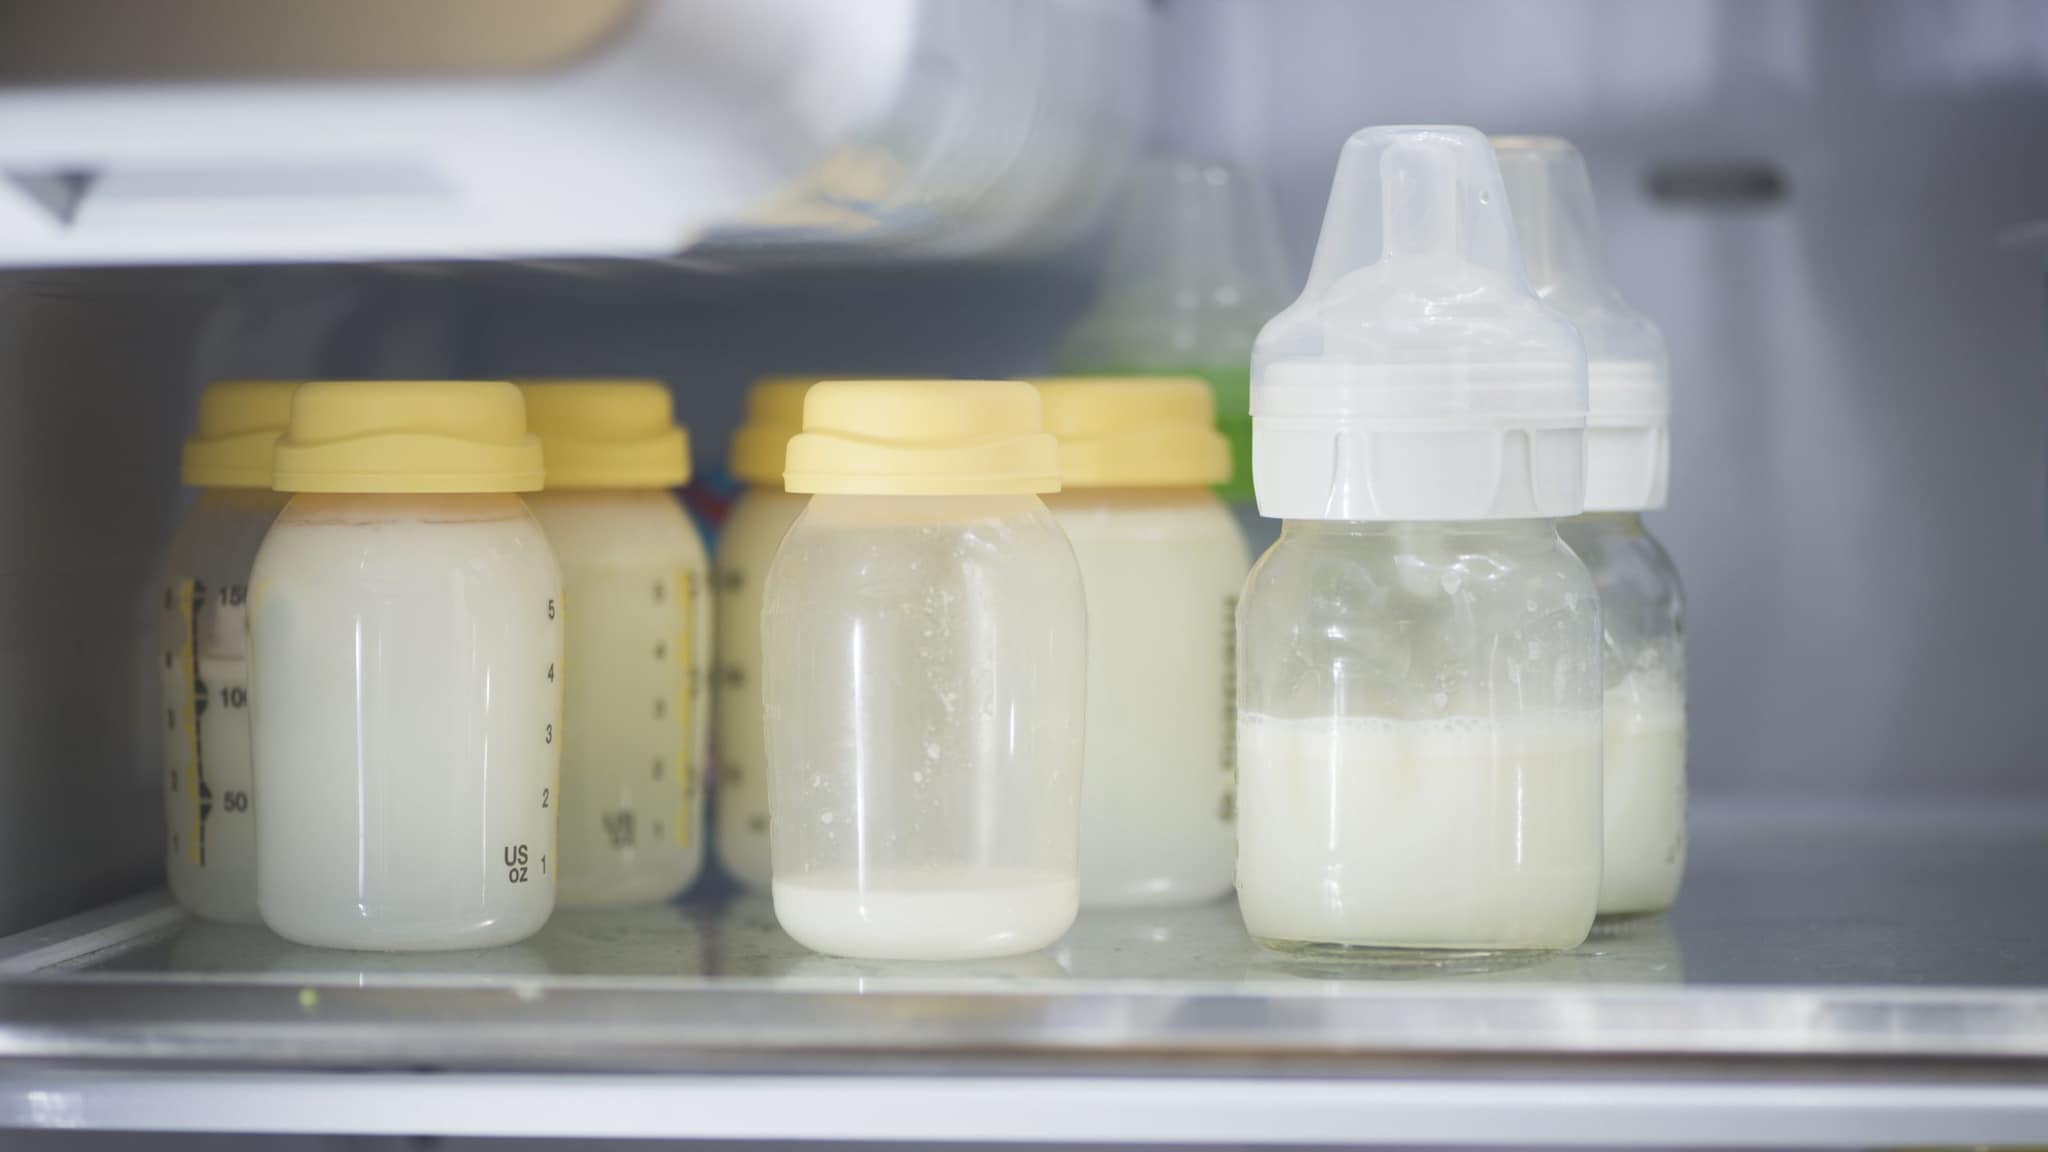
(1628, 371)
(1418, 376)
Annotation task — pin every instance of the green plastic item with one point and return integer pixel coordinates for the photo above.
(1194, 270)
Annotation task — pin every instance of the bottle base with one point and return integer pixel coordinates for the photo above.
(1160, 896)
(355, 934)
(1387, 958)
(955, 915)
(1611, 923)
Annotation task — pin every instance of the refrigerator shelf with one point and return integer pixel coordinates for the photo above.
(1848, 978)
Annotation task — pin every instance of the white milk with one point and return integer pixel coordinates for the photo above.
(406, 665)
(1457, 834)
(634, 709)
(1158, 791)
(746, 545)
(1644, 765)
(951, 914)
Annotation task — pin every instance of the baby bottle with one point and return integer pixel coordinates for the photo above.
(1419, 654)
(636, 641)
(923, 638)
(1628, 465)
(1194, 268)
(1162, 562)
(209, 785)
(405, 619)
(753, 529)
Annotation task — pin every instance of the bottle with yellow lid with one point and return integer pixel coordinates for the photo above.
(209, 783)
(925, 656)
(1193, 267)
(1162, 560)
(634, 705)
(406, 617)
(753, 530)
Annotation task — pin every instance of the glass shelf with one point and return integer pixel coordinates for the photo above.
(1887, 962)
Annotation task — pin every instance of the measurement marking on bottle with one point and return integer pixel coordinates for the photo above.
(188, 599)
(690, 682)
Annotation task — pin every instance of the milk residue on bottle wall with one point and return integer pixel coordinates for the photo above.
(925, 659)
(955, 587)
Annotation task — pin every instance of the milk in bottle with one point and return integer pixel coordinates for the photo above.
(635, 704)
(1628, 465)
(209, 781)
(406, 624)
(1419, 655)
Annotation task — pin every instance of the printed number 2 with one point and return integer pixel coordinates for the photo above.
(544, 796)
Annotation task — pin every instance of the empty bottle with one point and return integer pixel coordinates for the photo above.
(924, 642)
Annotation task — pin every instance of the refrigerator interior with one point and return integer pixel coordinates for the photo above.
(1807, 196)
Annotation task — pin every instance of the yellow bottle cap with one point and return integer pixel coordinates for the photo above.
(1135, 431)
(608, 433)
(239, 423)
(775, 413)
(923, 438)
(408, 436)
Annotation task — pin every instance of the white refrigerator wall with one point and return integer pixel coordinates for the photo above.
(1806, 195)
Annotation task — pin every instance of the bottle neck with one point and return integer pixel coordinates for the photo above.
(1422, 531)
(1625, 523)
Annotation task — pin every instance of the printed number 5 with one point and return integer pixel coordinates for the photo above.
(551, 609)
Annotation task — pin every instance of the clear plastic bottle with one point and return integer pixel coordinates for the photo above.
(1194, 268)
(925, 653)
(1419, 654)
(405, 618)
(753, 530)
(1162, 562)
(209, 781)
(638, 640)
(1628, 468)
